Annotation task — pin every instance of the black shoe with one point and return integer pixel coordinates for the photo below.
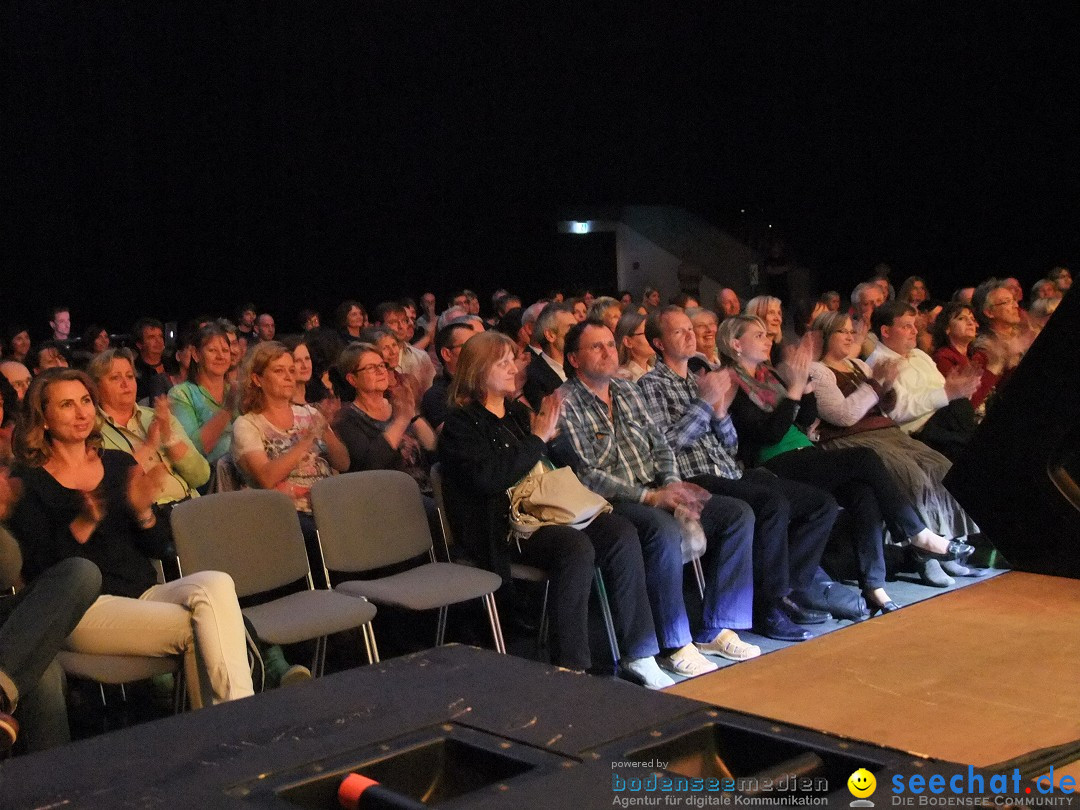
(802, 615)
(775, 624)
(931, 573)
(840, 601)
(875, 608)
(954, 551)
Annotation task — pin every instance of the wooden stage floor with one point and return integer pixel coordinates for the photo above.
(979, 675)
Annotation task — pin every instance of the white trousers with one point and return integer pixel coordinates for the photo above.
(196, 616)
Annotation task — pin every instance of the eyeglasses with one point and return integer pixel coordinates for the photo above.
(373, 367)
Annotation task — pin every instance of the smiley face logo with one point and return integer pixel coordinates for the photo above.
(862, 784)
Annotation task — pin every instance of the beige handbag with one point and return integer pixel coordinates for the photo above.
(547, 497)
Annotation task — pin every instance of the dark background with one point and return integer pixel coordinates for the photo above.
(181, 157)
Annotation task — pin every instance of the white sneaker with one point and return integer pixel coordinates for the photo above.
(727, 644)
(687, 661)
(649, 672)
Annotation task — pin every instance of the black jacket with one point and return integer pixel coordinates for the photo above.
(540, 380)
(482, 456)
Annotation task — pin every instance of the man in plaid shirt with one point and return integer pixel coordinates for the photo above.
(617, 451)
(792, 520)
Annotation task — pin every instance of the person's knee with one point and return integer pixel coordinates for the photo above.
(81, 579)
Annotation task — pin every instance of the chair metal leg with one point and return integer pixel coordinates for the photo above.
(496, 626)
(370, 646)
(605, 611)
(318, 659)
(440, 628)
(179, 691)
(542, 631)
(699, 574)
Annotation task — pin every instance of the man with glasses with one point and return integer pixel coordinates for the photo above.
(609, 438)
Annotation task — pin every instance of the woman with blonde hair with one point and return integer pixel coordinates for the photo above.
(81, 501)
(278, 444)
(488, 443)
(771, 312)
(636, 356)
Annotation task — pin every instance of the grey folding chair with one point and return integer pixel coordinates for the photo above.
(254, 536)
(370, 520)
(530, 573)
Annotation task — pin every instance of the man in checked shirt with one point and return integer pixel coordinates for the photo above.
(792, 520)
(617, 451)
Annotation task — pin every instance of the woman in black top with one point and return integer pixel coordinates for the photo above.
(80, 501)
(488, 443)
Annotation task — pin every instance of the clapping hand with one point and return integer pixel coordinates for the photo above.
(545, 422)
(144, 487)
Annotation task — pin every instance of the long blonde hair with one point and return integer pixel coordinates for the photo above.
(31, 443)
(760, 306)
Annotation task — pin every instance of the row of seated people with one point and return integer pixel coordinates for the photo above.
(759, 453)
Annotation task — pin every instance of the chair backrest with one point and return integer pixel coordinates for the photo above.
(369, 520)
(253, 535)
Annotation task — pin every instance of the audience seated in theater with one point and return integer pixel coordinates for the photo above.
(351, 319)
(205, 404)
(579, 309)
(727, 303)
(608, 437)
(606, 310)
(17, 375)
(1040, 313)
(488, 443)
(60, 324)
(636, 356)
(48, 354)
(80, 501)
(448, 343)
(831, 300)
(684, 301)
(245, 323)
(428, 318)
(932, 407)
(528, 325)
(16, 343)
(771, 312)
(625, 299)
(546, 372)
(1062, 279)
(418, 338)
(265, 328)
(153, 369)
(773, 411)
(1001, 332)
(412, 362)
(792, 520)
(324, 345)
(381, 428)
(94, 339)
(34, 624)
(152, 436)
(650, 299)
(302, 374)
(705, 324)
(236, 352)
(279, 445)
(865, 298)
(10, 408)
(852, 402)
(954, 333)
(308, 319)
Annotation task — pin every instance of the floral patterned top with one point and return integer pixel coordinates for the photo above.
(253, 431)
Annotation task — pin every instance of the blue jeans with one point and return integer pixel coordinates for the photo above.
(35, 624)
(728, 566)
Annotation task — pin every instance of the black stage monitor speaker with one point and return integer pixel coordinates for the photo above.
(1020, 478)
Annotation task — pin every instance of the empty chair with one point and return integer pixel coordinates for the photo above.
(254, 536)
(373, 519)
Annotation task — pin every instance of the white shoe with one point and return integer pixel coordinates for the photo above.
(727, 644)
(687, 661)
(649, 672)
